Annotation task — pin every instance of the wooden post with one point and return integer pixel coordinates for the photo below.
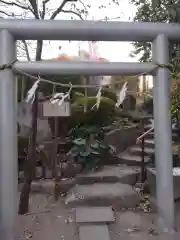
(30, 168)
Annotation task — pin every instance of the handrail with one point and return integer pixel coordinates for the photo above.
(143, 164)
(144, 134)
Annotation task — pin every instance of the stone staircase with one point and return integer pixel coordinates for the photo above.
(105, 188)
(98, 195)
(133, 155)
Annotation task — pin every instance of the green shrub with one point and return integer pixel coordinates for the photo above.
(89, 148)
(148, 105)
(108, 93)
(175, 103)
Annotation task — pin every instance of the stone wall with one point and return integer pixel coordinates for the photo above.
(151, 179)
(124, 138)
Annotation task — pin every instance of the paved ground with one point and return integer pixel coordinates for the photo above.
(137, 226)
(133, 225)
(49, 221)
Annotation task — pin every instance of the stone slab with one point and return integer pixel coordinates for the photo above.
(151, 178)
(111, 174)
(101, 194)
(94, 214)
(137, 150)
(149, 142)
(131, 160)
(95, 232)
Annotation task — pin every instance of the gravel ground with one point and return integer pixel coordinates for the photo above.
(136, 225)
(47, 221)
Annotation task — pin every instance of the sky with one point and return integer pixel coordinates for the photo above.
(113, 51)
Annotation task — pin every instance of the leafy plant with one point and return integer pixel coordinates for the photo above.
(175, 102)
(108, 93)
(89, 147)
(91, 101)
(148, 105)
(146, 11)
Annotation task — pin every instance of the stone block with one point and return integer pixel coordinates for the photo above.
(103, 195)
(111, 174)
(151, 178)
(123, 138)
(95, 232)
(94, 215)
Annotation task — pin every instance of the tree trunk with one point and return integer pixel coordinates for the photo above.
(39, 50)
(24, 198)
(30, 168)
(55, 160)
(30, 165)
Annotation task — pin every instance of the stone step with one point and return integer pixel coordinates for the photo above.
(131, 160)
(137, 150)
(110, 174)
(95, 232)
(148, 143)
(39, 173)
(151, 136)
(147, 127)
(150, 123)
(117, 195)
(94, 215)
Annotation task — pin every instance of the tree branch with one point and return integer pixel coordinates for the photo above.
(44, 8)
(22, 50)
(73, 12)
(39, 50)
(15, 4)
(35, 8)
(26, 50)
(59, 9)
(39, 42)
(9, 14)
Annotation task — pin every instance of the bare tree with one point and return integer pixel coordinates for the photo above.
(34, 9)
(23, 9)
(40, 10)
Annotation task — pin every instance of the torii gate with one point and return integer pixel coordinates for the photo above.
(158, 33)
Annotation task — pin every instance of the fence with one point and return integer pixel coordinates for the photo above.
(159, 34)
